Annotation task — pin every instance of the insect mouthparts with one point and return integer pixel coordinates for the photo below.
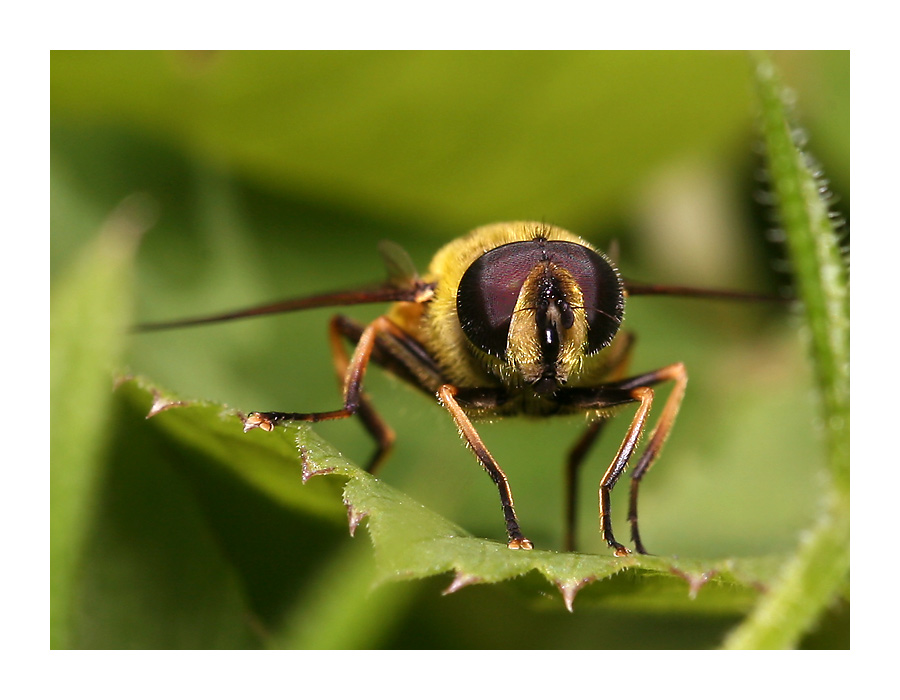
(546, 385)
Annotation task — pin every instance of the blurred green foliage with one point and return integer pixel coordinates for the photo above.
(274, 175)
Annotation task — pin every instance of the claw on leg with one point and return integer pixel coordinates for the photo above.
(621, 551)
(520, 543)
(258, 420)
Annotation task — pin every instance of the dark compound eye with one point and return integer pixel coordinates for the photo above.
(489, 290)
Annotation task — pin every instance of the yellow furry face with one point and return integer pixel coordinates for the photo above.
(524, 346)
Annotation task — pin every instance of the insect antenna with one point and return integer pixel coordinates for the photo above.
(641, 289)
(403, 285)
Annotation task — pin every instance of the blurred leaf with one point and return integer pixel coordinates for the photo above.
(154, 574)
(90, 310)
(417, 133)
(342, 609)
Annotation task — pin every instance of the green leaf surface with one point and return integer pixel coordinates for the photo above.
(402, 116)
(412, 541)
(263, 463)
(89, 310)
(154, 573)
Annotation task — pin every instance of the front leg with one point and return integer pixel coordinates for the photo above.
(356, 371)
(447, 396)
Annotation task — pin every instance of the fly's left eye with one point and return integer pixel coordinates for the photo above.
(488, 292)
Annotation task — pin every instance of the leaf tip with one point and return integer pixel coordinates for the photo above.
(310, 468)
(695, 581)
(161, 403)
(461, 580)
(354, 516)
(569, 589)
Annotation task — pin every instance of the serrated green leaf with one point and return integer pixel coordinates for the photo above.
(265, 462)
(410, 540)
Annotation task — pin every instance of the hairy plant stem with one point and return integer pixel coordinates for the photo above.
(819, 570)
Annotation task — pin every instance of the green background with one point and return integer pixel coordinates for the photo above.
(276, 174)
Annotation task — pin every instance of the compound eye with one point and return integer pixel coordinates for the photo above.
(489, 290)
(601, 287)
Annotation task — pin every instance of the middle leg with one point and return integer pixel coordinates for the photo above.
(617, 369)
(635, 389)
(576, 458)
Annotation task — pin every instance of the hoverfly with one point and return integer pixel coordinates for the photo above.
(516, 318)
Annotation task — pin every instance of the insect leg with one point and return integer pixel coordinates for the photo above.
(384, 343)
(677, 374)
(398, 353)
(356, 370)
(617, 368)
(634, 389)
(644, 395)
(573, 467)
(447, 395)
(339, 329)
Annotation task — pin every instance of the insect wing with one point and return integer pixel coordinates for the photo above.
(399, 266)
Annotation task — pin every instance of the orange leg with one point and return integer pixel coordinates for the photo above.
(577, 455)
(354, 402)
(340, 329)
(641, 391)
(678, 375)
(645, 396)
(447, 395)
(635, 389)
